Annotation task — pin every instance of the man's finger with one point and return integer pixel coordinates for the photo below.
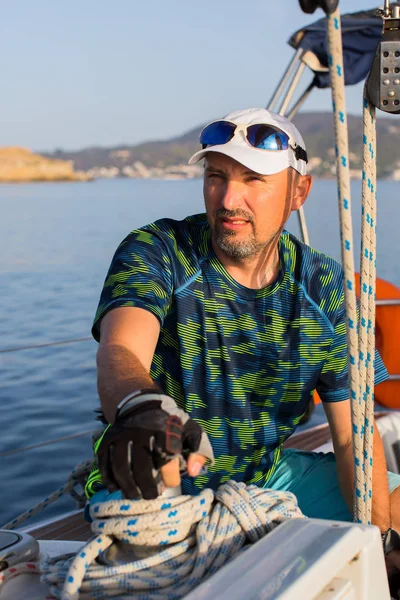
(170, 473)
(195, 463)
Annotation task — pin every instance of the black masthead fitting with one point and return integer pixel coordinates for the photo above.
(383, 82)
(328, 6)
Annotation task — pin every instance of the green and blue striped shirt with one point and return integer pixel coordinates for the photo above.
(242, 362)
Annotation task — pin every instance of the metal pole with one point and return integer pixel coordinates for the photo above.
(388, 302)
(300, 213)
(300, 102)
(303, 225)
(285, 78)
(293, 85)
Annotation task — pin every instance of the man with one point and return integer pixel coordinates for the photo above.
(234, 320)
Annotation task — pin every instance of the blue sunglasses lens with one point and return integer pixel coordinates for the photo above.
(267, 137)
(220, 132)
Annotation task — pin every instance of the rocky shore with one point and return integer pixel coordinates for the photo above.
(19, 165)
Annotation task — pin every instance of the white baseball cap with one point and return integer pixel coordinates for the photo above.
(264, 160)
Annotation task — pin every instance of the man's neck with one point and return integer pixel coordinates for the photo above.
(255, 272)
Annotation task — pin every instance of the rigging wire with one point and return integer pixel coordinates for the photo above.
(48, 443)
(45, 345)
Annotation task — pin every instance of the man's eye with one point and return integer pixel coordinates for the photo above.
(254, 178)
(215, 177)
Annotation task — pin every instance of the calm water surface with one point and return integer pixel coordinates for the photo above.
(56, 242)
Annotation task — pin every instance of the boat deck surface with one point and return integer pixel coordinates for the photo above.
(73, 527)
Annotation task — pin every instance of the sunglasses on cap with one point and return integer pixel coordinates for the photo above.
(259, 135)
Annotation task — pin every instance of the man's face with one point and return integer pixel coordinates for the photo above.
(246, 211)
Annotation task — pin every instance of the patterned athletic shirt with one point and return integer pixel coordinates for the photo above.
(242, 362)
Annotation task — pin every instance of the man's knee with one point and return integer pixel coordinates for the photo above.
(395, 508)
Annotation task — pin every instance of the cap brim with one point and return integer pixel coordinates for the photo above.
(264, 162)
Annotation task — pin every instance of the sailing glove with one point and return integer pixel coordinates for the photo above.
(147, 433)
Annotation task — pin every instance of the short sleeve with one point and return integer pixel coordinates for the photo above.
(333, 384)
(140, 275)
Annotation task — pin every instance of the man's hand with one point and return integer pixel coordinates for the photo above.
(170, 472)
(146, 440)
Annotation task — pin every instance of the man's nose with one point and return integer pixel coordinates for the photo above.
(233, 196)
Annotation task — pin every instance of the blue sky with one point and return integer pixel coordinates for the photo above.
(87, 72)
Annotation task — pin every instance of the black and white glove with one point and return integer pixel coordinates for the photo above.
(148, 432)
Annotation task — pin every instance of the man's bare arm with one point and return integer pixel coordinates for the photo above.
(339, 418)
(128, 338)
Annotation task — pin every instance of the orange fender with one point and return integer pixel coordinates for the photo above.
(387, 330)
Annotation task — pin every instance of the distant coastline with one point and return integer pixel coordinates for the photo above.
(167, 159)
(20, 165)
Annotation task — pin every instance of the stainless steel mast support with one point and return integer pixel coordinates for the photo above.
(289, 94)
(303, 226)
(300, 213)
(296, 67)
(295, 109)
(286, 76)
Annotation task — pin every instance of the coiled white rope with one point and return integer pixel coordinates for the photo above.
(178, 542)
(360, 334)
(239, 514)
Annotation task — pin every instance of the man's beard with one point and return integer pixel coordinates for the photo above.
(226, 239)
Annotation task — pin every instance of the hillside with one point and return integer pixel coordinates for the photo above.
(163, 155)
(22, 165)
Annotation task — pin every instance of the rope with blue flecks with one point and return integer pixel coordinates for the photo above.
(367, 292)
(178, 542)
(360, 335)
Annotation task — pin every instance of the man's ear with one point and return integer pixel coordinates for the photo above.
(301, 188)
